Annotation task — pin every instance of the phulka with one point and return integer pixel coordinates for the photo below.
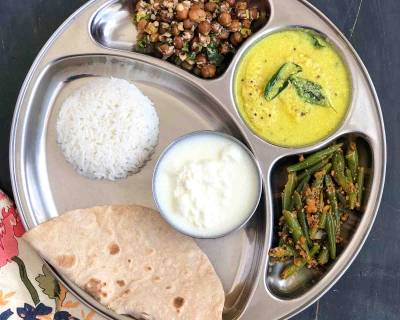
(133, 262)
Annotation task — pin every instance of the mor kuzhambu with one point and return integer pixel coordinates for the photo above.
(292, 88)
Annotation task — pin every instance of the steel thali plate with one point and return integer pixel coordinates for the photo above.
(97, 41)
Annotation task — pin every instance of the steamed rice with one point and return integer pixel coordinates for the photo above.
(107, 129)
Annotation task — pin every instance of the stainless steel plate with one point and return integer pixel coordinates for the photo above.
(96, 41)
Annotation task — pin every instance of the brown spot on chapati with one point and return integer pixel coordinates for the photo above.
(129, 260)
(148, 268)
(178, 302)
(65, 261)
(168, 288)
(94, 288)
(113, 248)
(121, 283)
(104, 294)
(156, 279)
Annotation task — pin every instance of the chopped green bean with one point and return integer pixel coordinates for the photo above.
(322, 220)
(338, 169)
(323, 256)
(351, 190)
(310, 171)
(331, 191)
(293, 224)
(314, 158)
(352, 159)
(360, 186)
(297, 201)
(301, 217)
(302, 184)
(331, 231)
(288, 191)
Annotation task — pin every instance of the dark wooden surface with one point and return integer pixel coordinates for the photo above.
(370, 290)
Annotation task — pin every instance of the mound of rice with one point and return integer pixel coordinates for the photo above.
(107, 129)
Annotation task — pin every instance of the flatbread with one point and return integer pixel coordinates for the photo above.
(132, 261)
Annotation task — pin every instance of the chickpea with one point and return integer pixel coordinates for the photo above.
(225, 19)
(201, 59)
(224, 34)
(235, 26)
(241, 5)
(208, 70)
(178, 42)
(254, 14)
(236, 38)
(204, 27)
(197, 14)
(142, 25)
(210, 6)
(246, 23)
(166, 50)
(188, 24)
(182, 12)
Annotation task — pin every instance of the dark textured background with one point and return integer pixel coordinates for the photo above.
(370, 290)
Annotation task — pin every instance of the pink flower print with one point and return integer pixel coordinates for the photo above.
(10, 227)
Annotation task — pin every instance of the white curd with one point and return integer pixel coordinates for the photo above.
(206, 184)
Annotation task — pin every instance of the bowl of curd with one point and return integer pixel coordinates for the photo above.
(207, 184)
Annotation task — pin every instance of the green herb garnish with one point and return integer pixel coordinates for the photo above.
(142, 43)
(280, 80)
(310, 91)
(318, 41)
(214, 56)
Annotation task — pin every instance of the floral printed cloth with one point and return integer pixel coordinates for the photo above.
(27, 289)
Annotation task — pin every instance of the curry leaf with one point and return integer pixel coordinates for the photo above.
(280, 80)
(310, 91)
(317, 40)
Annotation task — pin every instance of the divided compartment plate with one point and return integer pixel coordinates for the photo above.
(74, 54)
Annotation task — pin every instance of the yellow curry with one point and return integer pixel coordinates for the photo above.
(292, 88)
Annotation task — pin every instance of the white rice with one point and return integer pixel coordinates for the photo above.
(107, 129)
